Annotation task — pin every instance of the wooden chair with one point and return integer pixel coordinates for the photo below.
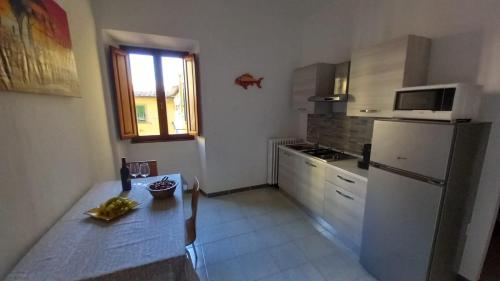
(153, 167)
(191, 222)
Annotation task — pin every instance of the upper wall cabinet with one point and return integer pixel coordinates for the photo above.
(378, 70)
(313, 80)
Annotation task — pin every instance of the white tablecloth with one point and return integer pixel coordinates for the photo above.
(146, 244)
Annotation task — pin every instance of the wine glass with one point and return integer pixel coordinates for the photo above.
(134, 169)
(144, 170)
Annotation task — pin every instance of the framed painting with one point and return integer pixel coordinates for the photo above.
(35, 49)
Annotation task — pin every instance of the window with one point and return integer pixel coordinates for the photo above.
(156, 93)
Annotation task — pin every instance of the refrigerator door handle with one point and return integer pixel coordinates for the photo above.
(344, 195)
(408, 174)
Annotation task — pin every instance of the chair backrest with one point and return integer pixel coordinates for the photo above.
(153, 167)
(194, 199)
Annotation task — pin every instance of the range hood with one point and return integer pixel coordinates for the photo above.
(340, 87)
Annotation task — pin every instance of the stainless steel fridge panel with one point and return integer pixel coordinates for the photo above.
(420, 148)
(400, 220)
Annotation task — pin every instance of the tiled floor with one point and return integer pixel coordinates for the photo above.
(261, 235)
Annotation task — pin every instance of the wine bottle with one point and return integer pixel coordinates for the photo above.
(125, 176)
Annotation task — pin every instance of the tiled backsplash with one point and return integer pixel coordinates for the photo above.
(340, 131)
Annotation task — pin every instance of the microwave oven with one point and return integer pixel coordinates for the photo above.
(450, 102)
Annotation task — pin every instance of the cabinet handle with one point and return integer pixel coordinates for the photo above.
(344, 179)
(312, 165)
(369, 110)
(344, 195)
(401, 158)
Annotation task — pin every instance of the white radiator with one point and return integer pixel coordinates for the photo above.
(272, 157)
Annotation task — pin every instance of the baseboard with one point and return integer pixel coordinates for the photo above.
(231, 191)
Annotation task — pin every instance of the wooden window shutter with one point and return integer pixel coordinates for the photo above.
(125, 102)
(190, 72)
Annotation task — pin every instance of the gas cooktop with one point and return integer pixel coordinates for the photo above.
(328, 154)
(322, 153)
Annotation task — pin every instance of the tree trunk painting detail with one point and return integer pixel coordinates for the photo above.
(35, 49)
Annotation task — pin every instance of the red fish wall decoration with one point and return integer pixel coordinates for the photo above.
(246, 80)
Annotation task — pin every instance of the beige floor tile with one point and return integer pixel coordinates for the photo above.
(316, 246)
(273, 236)
(288, 255)
(262, 235)
(305, 272)
(230, 270)
(220, 231)
(257, 265)
(339, 267)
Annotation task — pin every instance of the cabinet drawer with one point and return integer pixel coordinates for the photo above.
(348, 182)
(315, 170)
(344, 211)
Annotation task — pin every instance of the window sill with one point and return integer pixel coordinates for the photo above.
(150, 139)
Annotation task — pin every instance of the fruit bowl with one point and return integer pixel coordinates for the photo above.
(162, 189)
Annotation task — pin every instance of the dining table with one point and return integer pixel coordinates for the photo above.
(148, 243)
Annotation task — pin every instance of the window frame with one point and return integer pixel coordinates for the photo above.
(157, 54)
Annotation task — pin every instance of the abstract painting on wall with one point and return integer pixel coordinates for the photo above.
(35, 49)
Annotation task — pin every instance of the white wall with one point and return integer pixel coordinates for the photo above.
(179, 156)
(466, 47)
(259, 37)
(52, 148)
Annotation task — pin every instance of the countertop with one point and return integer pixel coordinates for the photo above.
(349, 165)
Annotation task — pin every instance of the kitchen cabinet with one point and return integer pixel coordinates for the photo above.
(377, 71)
(302, 178)
(344, 211)
(288, 168)
(311, 184)
(334, 194)
(313, 80)
(344, 203)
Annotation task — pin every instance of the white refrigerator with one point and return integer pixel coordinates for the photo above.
(422, 181)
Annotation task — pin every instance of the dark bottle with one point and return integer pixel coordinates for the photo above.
(125, 176)
(365, 163)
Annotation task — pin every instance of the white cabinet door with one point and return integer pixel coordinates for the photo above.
(378, 70)
(302, 178)
(304, 86)
(311, 183)
(315, 183)
(344, 211)
(312, 80)
(287, 172)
